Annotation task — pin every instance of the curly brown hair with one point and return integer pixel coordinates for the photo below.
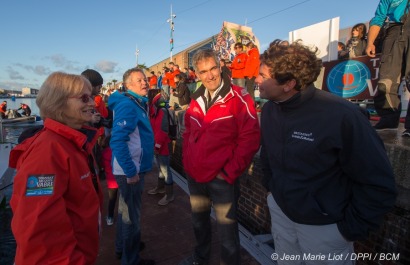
(292, 61)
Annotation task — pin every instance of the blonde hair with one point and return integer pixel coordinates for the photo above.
(54, 92)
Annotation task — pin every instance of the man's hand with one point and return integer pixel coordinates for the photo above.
(371, 37)
(371, 50)
(133, 180)
(219, 176)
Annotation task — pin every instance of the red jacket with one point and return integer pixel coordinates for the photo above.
(100, 106)
(106, 157)
(160, 126)
(252, 63)
(56, 219)
(172, 83)
(153, 80)
(222, 140)
(3, 107)
(165, 79)
(238, 65)
(102, 109)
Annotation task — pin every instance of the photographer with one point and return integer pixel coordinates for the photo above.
(99, 119)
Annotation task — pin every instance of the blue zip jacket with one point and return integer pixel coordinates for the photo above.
(132, 138)
(392, 9)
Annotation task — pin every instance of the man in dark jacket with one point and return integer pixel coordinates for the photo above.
(326, 170)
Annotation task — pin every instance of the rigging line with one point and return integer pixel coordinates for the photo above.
(153, 35)
(277, 12)
(200, 4)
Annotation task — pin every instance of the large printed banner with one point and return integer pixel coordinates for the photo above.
(355, 78)
(230, 34)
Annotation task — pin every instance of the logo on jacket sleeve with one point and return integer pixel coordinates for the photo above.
(122, 123)
(38, 185)
(244, 92)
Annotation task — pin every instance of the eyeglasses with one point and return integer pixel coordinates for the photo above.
(85, 98)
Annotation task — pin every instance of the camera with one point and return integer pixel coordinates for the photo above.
(105, 122)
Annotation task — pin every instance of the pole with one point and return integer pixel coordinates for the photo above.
(171, 25)
(137, 52)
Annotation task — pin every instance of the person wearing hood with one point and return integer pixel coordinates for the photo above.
(159, 117)
(132, 145)
(57, 197)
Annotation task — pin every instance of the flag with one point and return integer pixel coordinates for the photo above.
(171, 41)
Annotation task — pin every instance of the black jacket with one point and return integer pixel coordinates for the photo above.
(324, 163)
(183, 94)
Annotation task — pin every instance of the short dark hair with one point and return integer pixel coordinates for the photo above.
(93, 76)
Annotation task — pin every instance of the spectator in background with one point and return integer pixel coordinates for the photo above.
(167, 76)
(251, 68)
(186, 72)
(238, 65)
(182, 92)
(174, 71)
(101, 110)
(225, 69)
(57, 196)
(356, 46)
(160, 125)
(341, 51)
(394, 61)
(191, 81)
(153, 80)
(3, 109)
(96, 81)
(323, 194)
(26, 109)
(111, 182)
(222, 121)
(159, 82)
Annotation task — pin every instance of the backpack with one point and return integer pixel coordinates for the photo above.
(172, 124)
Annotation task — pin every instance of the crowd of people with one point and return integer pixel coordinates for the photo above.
(322, 193)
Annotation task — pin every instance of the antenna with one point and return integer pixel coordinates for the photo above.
(171, 25)
(137, 52)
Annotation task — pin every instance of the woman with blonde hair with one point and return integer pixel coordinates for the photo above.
(57, 197)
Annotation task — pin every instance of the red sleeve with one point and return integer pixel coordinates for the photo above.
(100, 106)
(252, 64)
(161, 137)
(248, 141)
